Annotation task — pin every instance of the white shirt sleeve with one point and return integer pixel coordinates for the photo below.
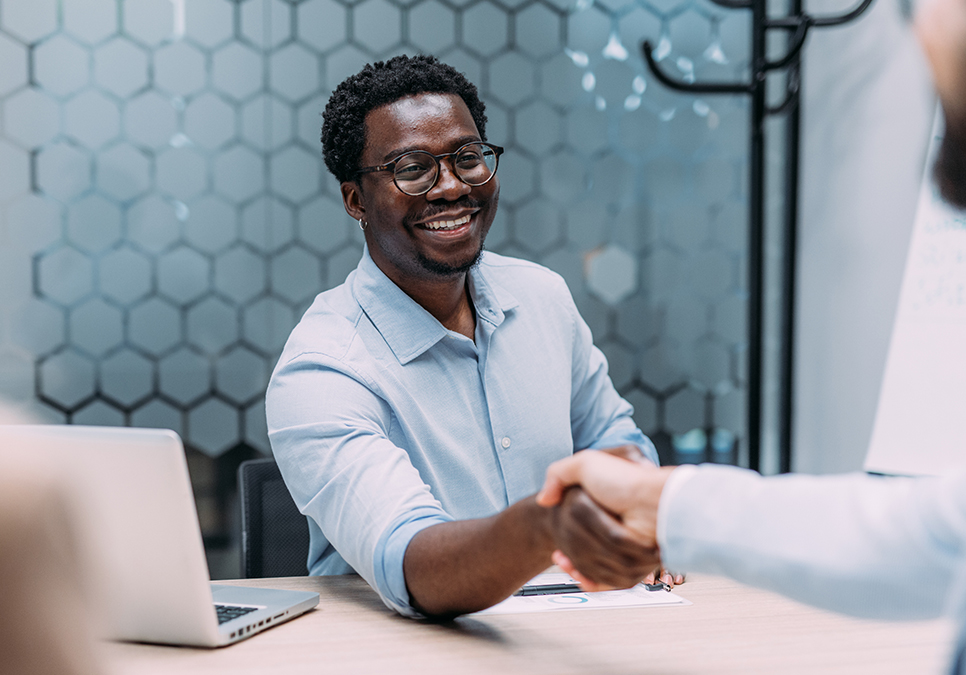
(864, 545)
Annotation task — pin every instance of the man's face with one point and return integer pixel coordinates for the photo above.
(435, 236)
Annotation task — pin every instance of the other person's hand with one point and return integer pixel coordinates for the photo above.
(629, 451)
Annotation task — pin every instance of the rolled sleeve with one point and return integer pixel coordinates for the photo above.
(329, 434)
(626, 433)
(390, 554)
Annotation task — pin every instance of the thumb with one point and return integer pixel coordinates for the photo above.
(560, 475)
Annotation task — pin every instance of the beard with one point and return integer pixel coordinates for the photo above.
(443, 269)
(950, 169)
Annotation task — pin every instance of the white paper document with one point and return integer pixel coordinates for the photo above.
(638, 596)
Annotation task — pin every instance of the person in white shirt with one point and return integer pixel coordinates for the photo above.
(838, 542)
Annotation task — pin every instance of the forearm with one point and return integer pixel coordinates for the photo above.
(465, 566)
(849, 543)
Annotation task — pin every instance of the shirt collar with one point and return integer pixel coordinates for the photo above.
(407, 328)
(490, 299)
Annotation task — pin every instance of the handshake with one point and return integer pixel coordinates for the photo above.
(629, 490)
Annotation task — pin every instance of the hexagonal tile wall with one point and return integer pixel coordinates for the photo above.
(159, 167)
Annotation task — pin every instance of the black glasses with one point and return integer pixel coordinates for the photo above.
(415, 173)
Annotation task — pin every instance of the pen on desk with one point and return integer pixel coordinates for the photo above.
(549, 589)
(658, 585)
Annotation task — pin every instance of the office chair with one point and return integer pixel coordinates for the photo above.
(275, 536)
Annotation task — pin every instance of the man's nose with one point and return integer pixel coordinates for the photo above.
(448, 185)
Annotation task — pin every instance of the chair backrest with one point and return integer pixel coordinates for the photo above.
(275, 536)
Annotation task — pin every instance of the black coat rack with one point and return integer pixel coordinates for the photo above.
(795, 25)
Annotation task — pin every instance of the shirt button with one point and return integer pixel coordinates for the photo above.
(505, 442)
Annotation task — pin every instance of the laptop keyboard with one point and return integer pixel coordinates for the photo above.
(229, 612)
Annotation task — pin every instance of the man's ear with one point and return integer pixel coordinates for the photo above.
(352, 200)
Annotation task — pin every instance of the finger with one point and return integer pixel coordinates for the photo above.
(592, 567)
(551, 492)
(599, 545)
(602, 565)
(626, 488)
(649, 579)
(602, 474)
(604, 529)
(560, 475)
(593, 587)
(602, 560)
(585, 583)
(561, 560)
(667, 578)
(679, 579)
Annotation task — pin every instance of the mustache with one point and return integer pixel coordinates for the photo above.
(434, 209)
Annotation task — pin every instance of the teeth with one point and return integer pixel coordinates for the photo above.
(447, 224)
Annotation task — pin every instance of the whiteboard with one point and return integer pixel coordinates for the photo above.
(920, 423)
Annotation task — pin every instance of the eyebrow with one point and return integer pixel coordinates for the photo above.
(396, 152)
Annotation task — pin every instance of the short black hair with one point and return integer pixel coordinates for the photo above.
(379, 84)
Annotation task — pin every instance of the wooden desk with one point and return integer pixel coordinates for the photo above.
(729, 629)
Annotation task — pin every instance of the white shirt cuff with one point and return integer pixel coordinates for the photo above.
(672, 486)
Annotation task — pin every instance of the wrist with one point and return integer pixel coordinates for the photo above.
(533, 524)
(672, 484)
(649, 486)
(543, 520)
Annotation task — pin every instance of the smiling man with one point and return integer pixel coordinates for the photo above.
(416, 407)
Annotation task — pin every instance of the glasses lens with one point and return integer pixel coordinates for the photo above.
(475, 163)
(415, 172)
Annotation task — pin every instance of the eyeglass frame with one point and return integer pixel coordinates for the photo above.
(391, 166)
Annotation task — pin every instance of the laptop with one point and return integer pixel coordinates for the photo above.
(139, 541)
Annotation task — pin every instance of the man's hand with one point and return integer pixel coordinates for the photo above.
(632, 491)
(463, 566)
(631, 453)
(598, 544)
(563, 562)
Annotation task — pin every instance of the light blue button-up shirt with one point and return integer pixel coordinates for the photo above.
(383, 422)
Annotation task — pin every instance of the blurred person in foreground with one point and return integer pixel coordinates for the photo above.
(44, 626)
(864, 545)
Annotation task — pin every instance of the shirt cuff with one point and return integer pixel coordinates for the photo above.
(390, 578)
(672, 486)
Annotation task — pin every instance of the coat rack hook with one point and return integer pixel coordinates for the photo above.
(702, 88)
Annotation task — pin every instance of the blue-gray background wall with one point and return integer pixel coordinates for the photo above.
(165, 216)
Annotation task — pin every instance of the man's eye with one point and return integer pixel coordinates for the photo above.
(469, 159)
(411, 169)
